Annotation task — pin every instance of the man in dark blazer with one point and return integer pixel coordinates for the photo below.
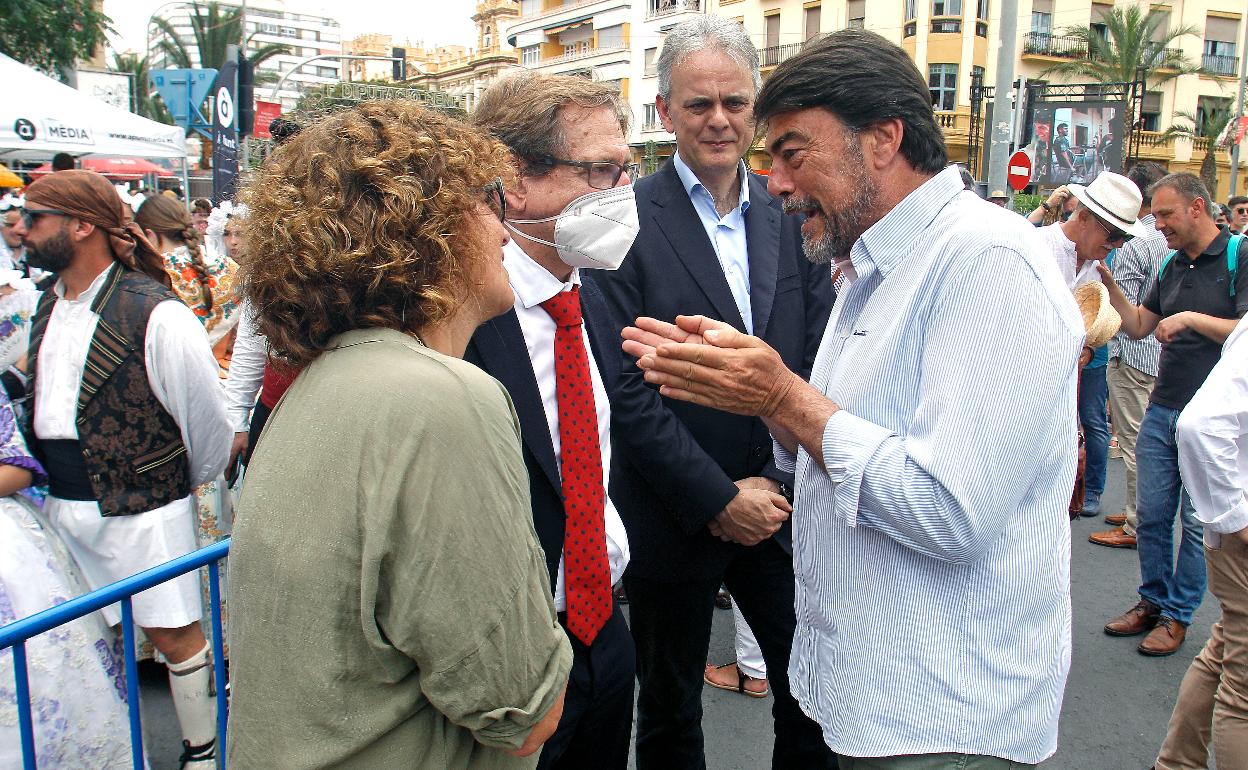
(712, 506)
(557, 353)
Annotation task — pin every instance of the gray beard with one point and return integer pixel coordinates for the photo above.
(842, 229)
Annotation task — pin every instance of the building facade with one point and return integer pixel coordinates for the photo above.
(951, 40)
(266, 22)
(461, 71)
(613, 41)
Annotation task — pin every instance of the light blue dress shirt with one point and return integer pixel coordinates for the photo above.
(726, 233)
(932, 549)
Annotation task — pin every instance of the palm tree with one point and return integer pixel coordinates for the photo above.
(1131, 41)
(215, 29)
(147, 101)
(1215, 122)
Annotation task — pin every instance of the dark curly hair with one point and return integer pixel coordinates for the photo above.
(365, 220)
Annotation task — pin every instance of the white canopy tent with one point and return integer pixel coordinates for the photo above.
(40, 116)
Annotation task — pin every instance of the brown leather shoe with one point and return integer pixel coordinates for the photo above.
(1113, 538)
(1134, 621)
(1165, 639)
(1116, 519)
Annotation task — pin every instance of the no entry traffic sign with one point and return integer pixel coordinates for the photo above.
(1019, 171)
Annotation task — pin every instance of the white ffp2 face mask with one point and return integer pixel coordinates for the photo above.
(593, 231)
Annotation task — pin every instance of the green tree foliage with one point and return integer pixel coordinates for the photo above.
(1210, 129)
(147, 101)
(51, 35)
(214, 28)
(1133, 40)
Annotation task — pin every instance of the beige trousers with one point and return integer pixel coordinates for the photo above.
(1129, 389)
(1213, 699)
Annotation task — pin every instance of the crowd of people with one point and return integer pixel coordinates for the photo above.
(482, 377)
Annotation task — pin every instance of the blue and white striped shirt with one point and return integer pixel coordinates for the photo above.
(932, 552)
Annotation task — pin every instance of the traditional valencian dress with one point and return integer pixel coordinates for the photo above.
(78, 691)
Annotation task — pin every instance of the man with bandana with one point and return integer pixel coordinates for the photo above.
(127, 416)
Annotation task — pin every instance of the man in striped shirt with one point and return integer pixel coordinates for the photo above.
(931, 543)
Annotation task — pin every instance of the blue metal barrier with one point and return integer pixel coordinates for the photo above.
(16, 633)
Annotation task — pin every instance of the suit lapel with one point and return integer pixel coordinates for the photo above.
(762, 243)
(501, 345)
(679, 222)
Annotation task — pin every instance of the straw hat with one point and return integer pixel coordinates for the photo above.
(1100, 321)
(1115, 199)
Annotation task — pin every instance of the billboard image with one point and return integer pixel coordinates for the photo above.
(1075, 141)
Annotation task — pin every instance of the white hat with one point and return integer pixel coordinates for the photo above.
(1115, 199)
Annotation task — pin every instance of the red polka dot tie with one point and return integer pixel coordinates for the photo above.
(586, 573)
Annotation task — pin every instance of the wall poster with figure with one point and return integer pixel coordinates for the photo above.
(1075, 141)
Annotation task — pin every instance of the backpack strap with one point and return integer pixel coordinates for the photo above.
(1164, 264)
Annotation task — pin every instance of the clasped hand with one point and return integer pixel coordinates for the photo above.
(754, 515)
(709, 363)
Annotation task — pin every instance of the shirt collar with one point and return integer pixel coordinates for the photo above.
(532, 283)
(87, 296)
(887, 242)
(691, 183)
(1217, 246)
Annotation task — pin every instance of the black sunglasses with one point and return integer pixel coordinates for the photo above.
(496, 198)
(28, 215)
(601, 174)
(1115, 235)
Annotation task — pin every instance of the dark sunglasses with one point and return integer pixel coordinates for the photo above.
(496, 198)
(1115, 235)
(601, 174)
(29, 215)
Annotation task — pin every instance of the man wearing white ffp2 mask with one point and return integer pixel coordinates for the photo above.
(570, 208)
(595, 230)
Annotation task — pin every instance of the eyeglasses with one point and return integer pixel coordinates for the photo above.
(1240, 210)
(496, 198)
(28, 215)
(1115, 235)
(601, 174)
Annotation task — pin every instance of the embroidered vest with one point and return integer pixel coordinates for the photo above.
(131, 447)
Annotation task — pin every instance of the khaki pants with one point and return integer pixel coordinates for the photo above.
(1129, 389)
(1213, 699)
(930, 762)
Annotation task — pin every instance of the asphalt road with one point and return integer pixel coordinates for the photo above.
(1114, 715)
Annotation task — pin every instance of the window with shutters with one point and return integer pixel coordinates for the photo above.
(811, 22)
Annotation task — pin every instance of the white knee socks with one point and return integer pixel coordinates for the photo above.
(191, 684)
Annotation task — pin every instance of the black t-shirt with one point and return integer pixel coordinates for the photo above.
(1202, 286)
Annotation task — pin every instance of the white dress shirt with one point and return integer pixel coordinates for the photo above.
(533, 285)
(246, 368)
(180, 369)
(726, 233)
(931, 550)
(1063, 250)
(1213, 442)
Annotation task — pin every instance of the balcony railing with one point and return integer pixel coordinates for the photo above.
(652, 126)
(657, 8)
(947, 25)
(774, 54)
(1045, 44)
(1221, 65)
(584, 53)
(569, 4)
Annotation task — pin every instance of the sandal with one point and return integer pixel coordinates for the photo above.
(741, 680)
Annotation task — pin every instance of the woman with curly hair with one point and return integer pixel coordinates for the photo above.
(204, 282)
(391, 605)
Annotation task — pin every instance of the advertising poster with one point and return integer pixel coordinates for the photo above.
(1075, 141)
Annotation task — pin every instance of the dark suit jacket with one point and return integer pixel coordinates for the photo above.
(498, 347)
(677, 461)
